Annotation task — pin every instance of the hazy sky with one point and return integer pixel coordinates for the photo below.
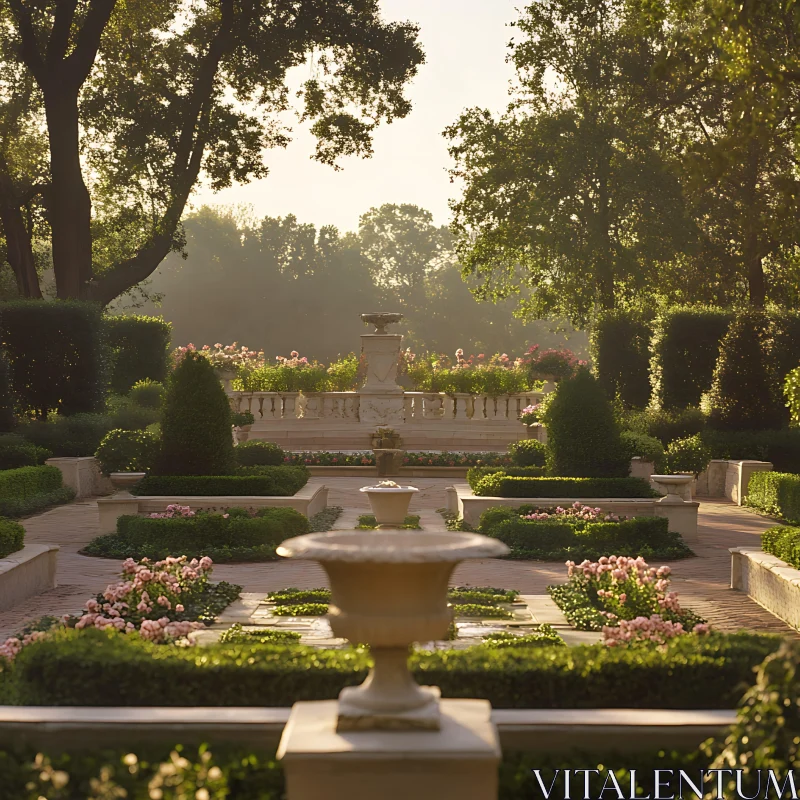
(465, 46)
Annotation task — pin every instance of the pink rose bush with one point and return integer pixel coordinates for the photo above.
(232, 356)
(530, 414)
(576, 512)
(627, 599)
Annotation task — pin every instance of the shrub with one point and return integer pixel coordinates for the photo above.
(56, 353)
(242, 419)
(545, 636)
(783, 343)
(620, 346)
(140, 348)
(775, 493)
(500, 485)
(94, 668)
(743, 395)
(270, 482)
(17, 452)
(7, 417)
(690, 456)
(582, 435)
(78, 435)
(791, 389)
(258, 454)
(783, 542)
(291, 596)
(196, 424)
(782, 448)
(343, 374)
(476, 474)
(528, 453)
(12, 537)
(127, 451)
(685, 349)
(666, 426)
(126, 415)
(26, 490)
(645, 447)
(233, 538)
(147, 394)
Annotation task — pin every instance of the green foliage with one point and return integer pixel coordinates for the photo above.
(480, 611)
(476, 474)
(12, 537)
(238, 537)
(742, 396)
(783, 542)
(96, 668)
(775, 493)
(368, 522)
(666, 426)
(269, 482)
(480, 596)
(279, 377)
(126, 415)
(57, 356)
(78, 435)
(147, 393)
(620, 348)
(687, 456)
(528, 453)
(545, 636)
(645, 447)
(582, 435)
(436, 372)
(292, 596)
(257, 454)
(685, 349)
(557, 540)
(783, 354)
(343, 374)
(127, 451)
(140, 348)
(18, 452)
(791, 389)
(196, 425)
(242, 418)
(7, 418)
(301, 610)
(500, 485)
(236, 634)
(782, 448)
(27, 490)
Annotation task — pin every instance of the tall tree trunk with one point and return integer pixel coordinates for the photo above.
(20, 252)
(605, 266)
(752, 252)
(70, 204)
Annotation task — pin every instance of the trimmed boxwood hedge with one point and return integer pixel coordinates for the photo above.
(140, 350)
(782, 448)
(269, 482)
(96, 668)
(29, 489)
(239, 537)
(12, 537)
(501, 484)
(775, 493)
(557, 540)
(783, 542)
(477, 474)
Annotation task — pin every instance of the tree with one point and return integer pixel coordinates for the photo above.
(161, 93)
(570, 194)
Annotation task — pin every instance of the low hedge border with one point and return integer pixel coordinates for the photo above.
(12, 537)
(97, 668)
(237, 538)
(477, 474)
(502, 484)
(557, 540)
(783, 542)
(26, 490)
(775, 493)
(266, 482)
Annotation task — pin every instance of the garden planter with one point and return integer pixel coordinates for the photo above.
(389, 590)
(226, 376)
(679, 486)
(389, 503)
(123, 482)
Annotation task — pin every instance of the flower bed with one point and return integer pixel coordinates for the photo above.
(504, 484)
(261, 481)
(234, 534)
(687, 672)
(416, 459)
(555, 534)
(625, 598)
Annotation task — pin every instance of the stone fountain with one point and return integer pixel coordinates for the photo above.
(389, 590)
(381, 397)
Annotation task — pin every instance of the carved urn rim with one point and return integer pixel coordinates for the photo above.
(380, 319)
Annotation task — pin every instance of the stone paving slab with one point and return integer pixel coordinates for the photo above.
(703, 582)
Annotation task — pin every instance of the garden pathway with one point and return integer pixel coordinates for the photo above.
(702, 582)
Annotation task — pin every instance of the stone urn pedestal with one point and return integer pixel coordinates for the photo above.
(388, 461)
(389, 502)
(122, 503)
(123, 482)
(390, 738)
(679, 486)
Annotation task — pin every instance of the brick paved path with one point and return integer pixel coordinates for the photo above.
(702, 582)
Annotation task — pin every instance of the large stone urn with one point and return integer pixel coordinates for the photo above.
(123, 482)
(388, 590)
(389, 502)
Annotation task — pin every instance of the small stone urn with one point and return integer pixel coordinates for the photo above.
(675, 487)
(389, 502)
(388, 590)
(123, 482)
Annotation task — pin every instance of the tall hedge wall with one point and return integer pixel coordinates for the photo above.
(684, 353)
(140, 350)
(56, 354)
(620, 348)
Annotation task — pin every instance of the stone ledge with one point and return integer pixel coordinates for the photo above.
(772, 583)
(27, 572)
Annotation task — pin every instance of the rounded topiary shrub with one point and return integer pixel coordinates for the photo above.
(127, 451)
(743, 396)
(643, 446)
(528, 453)
(688, 456)
(17, 452)
(259, 454)
(147, 394)
(196, 422)
(583, 438)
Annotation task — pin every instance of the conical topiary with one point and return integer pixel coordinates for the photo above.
(583, 438)
(742, 396)
(196, 423)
